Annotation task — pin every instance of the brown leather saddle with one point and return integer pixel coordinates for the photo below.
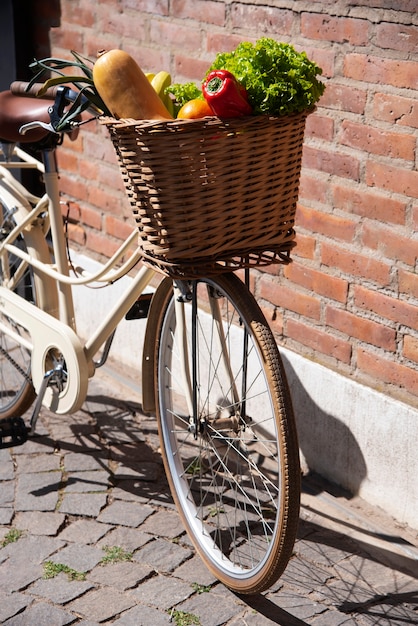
(15, 111)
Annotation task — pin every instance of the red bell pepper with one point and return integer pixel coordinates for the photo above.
(224, 94)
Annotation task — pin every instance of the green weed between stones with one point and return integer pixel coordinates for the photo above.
(201, 588)
(13, 535)
(52, 569)
(181, 618)
(115, 554)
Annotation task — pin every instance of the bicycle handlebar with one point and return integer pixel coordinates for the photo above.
(64, 98)
(20, 88)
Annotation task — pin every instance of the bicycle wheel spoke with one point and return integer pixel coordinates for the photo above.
(226, 468)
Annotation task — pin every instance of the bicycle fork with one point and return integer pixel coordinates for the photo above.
(190, 371)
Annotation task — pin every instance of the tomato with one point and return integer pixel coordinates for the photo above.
(194, 110)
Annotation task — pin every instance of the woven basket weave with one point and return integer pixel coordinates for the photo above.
(212, 195)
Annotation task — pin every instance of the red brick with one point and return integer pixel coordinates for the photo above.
(390, 243)
(355, 264)
(344, 98)
(320, 127)
(319, 340)
(222, 42)
(378, 141)
(156, 7)
(339, 29)
(327, 224)
(100, 41)
(396, 37)
(313, 187)
(189, 68)
(325, 58)
(70, 210)
(285, 297)
(408, 283)
(263, 19)
(317, 282)
(373, 69)
(77, 191)
(67, 161)
(331, 161)
(409, 6)
(77, 234)
(274, 319)
(386, 307)
(67, 39)
(202, 10)
(388, 371)
(118, 23)
(362, 201)
(410, 348)
(118, 228)
(108, 202)
(305, 246)
(74, 13)
(173, 34)
(101, 244)
(151, 58)
(392, 178)
(98, 146)
(90, 171)
(366, 330)
(396, 109)
(91, 217)
(111, 177)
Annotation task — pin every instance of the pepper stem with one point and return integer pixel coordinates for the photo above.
(214, 85)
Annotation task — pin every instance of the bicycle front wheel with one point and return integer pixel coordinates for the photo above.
(16, 389)
(227, 432)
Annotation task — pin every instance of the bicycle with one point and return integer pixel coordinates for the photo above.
(211, 368)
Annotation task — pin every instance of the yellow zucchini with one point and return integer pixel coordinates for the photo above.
(125, 89)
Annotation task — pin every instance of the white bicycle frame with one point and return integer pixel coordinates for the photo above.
(51, 324)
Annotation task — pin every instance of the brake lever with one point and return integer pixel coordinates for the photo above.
(27, 127)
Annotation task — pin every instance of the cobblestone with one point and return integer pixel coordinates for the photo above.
(94, 480)
(58, 590)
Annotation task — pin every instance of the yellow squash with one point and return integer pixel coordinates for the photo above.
(125, 89)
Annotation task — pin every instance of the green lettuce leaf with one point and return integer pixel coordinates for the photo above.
(278, 79)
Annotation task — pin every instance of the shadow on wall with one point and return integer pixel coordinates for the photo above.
(32, 25)
(328, 447)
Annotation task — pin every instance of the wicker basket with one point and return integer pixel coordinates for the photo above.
(212, 195)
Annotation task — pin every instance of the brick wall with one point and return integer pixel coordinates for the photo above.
(350, 298)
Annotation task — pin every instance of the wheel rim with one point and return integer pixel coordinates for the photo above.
(227, 479)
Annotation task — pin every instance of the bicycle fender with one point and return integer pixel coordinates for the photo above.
(150, 345)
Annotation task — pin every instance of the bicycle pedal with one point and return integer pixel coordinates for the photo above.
(139, 310)
(13, 432)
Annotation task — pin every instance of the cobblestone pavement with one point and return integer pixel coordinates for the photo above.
(89, 490)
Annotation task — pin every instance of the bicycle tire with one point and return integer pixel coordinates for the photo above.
(16, 390)
(236, 481)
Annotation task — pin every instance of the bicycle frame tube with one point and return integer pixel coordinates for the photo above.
(116, 314)
(27, 225)
(50, 202)
(65, 297)
(184, 355)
